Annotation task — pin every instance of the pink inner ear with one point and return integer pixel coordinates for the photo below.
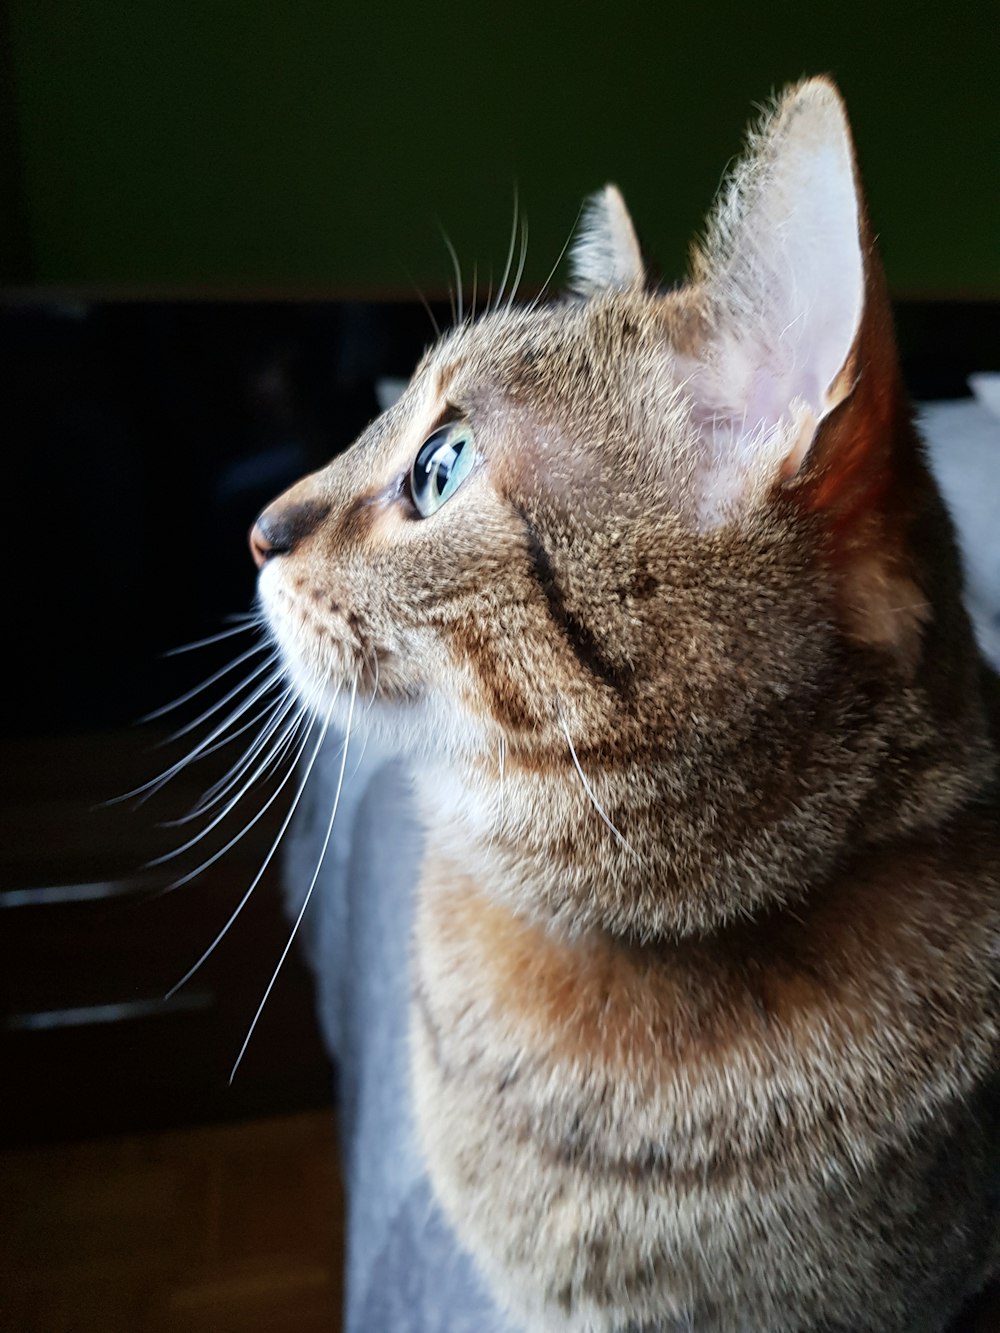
(783, 277)
(768, 397)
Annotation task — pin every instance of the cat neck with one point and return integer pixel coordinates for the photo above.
(653, 850)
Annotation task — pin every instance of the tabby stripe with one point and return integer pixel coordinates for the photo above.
(653, 1163)
(581, 641)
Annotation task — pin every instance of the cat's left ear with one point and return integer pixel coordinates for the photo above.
(792, 375)
(606, 255)
(783, 273)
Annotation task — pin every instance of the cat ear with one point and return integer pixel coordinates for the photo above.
(796, 377)
(783, 273)
(606, 255)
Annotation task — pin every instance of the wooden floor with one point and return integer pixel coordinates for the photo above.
(227, 1229)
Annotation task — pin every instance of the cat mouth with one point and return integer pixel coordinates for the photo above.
(325, 651)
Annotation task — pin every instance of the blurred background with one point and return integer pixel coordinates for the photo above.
(313, 148)
(215, 220)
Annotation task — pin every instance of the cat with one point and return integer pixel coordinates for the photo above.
(655, 590)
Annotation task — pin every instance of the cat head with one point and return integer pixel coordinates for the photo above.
(631, 572)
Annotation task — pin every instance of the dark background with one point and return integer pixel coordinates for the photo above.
(316, 145)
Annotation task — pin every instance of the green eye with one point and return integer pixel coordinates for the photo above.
(444, 461)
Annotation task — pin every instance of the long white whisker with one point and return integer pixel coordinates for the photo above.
(270, 710)
(430, 314)
(200, 751)
(520, 265)
(423, 301)
(279, 712)
(234, 693)
(223, 671)
(361, 756)
(590, 791)
(217, 820)
(203, 748)
(193, 874)
(212, 638)
(559, 258)
(510, 255)
(278, 753)
(228, 740)
(459, 315)
(312, 883)
(266, 862)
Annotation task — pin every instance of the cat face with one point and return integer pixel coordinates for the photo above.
(653, 547)
(566, 568)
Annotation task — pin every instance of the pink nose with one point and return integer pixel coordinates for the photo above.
(260, 547)
(281, 527)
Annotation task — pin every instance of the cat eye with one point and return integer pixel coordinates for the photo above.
(444, 461)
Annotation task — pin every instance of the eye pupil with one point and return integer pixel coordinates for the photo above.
(442, 463)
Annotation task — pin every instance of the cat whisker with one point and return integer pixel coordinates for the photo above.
(312, 883)
(267, 859)
(590, 791)
(533, 305)
(227, 698)
(423, 301)
(213, 638)
(361, 756)
(287, 702)
(520, 264)
(227, 809)
(228, 740)
(279, 712)
(430, 314)
(201, 750)
(191, 694)
(510, 255)
(287, 740)
(458, 307)
(193, 874)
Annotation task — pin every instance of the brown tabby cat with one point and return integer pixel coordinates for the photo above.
(658, 592)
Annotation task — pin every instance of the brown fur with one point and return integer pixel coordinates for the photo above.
(706, 1025)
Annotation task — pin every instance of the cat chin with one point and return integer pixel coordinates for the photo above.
(420, 726)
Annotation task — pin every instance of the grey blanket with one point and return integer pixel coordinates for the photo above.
(405, 1272)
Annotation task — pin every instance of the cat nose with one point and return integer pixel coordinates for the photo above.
(281, 527)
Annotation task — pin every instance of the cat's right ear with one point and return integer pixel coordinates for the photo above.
(606, 255)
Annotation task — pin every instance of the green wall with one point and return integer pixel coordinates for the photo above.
(305, 146)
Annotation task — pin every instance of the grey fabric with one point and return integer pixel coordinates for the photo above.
(406, 1271)
(963, 445)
